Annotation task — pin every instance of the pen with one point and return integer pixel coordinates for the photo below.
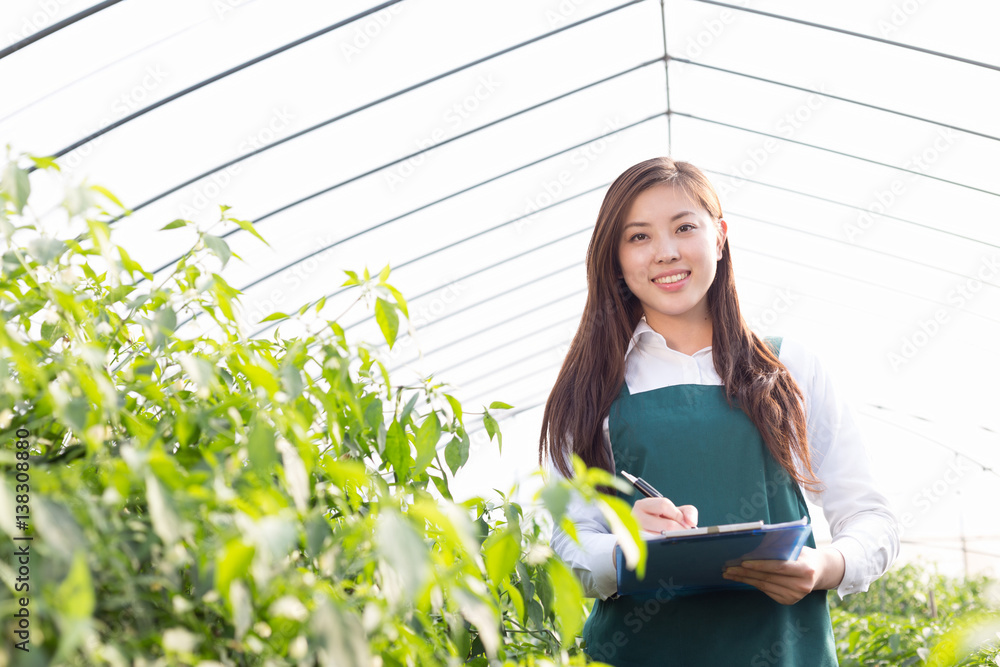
(645, 488)
(642, 486)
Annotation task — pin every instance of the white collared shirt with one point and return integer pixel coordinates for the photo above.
(863, 526)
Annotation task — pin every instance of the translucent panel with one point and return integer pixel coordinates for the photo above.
(855, 148)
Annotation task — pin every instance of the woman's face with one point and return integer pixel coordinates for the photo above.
(668, 249)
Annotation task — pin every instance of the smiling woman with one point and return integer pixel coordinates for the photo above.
(666, 380)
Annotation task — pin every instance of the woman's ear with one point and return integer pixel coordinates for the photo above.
(723, 230)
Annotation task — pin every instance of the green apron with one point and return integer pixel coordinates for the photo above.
(688, 443)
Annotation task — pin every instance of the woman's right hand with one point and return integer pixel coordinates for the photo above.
(656, 514)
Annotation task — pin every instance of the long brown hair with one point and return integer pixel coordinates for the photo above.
(594, 368)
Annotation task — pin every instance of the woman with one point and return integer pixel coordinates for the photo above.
(665, 380)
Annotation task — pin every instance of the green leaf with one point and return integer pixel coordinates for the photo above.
(175, 224)
(497, 405)
(442, 486)
(44, 162)
(51, 332)
(400, 301)
(45, 249)
(200, 370)
(260, 447)
(456, 452)
(76, 592)
(383, 274)
(493, 429)
(373, 413)
(276, 316)
(246, 225)
(483, 616)
(405, 561)
(556, 498)
(232, 563)
(104, 191)
(618, 514)
(456, 407)
(387, 320)
(501, 551)
(131, 265)
(516, 599)
(161, 327)
(261, 377)
(218, 246)
(162, 511)
(567, 601)
(427, 439)
(352, 279)
(15, 186)
(408, 408)
(397, 449)
(291, 378)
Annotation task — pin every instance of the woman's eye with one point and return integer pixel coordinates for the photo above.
(635, 236)
(686, 224)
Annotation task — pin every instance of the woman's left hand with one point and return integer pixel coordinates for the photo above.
(789, 581)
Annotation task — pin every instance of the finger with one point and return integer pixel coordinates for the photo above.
(780, 585)
(769, 565)
(771, 588)
(661, 507)
(690, 513)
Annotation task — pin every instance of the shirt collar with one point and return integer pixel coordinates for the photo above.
(645, 336)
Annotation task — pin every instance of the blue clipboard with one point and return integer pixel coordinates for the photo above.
(683, 563)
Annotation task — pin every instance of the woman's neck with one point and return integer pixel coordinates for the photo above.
(685, 335)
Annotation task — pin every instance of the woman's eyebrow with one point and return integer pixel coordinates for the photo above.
(639, 223)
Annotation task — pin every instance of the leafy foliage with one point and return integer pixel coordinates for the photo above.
(221, 500)
(914, 616)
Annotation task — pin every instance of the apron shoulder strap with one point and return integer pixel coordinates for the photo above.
(774, 342)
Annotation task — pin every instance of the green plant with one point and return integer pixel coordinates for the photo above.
(895, 622)
(219, 500)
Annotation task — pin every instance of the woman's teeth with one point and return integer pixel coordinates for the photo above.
(672, 279)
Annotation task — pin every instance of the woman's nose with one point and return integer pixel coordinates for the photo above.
(667, 251)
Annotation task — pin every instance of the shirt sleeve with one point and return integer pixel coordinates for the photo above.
(592, 559)
(863, 525)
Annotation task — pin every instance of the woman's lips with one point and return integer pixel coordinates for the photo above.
(674, 286)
